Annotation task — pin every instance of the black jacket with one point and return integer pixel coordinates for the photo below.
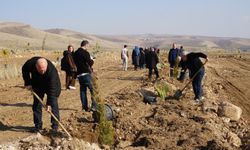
(48, 83)
(151, 59)
(193, 62)
(83, 61)
(172, 56)
(70, 63)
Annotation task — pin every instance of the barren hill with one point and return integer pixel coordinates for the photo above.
(191, 42)
(22, 36)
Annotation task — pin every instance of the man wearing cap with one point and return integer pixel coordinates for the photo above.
(40, 75)
(193, 63)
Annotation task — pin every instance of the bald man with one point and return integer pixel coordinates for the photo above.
(40, 75)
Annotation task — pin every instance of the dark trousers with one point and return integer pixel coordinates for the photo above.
(85, 82)
(197, 84)
(70, 79)
(136, 62)
(150, 72)
(37, 111)
(171, 74)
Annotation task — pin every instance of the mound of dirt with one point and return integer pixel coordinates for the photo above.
(173, 124)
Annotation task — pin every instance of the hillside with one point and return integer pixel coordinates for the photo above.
(22, 36)
(191, 42)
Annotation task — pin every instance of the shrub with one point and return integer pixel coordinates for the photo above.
(162, 90)
(176, 69)
(106, 131)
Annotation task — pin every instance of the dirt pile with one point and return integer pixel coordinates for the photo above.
(172, 124)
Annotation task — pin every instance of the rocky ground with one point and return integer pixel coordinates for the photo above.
(165, 124)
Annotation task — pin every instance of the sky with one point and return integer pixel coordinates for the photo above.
(221, 18)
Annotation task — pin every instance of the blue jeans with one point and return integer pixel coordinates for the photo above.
(197, 84)
(85, 82)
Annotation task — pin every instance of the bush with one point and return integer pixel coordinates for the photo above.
(162, 90)
(106, 130)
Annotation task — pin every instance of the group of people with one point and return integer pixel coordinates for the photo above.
(177, 58)
(141, 57)
(41, 76)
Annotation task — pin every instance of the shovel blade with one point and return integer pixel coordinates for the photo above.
(178, 94)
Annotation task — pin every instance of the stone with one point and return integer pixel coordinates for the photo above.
(233, 139)
(105, 147)
(182, 114)
(229, 110)
(150, 91)
(124, 144)
(225, 119)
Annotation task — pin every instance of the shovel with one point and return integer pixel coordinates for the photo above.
(178, 93)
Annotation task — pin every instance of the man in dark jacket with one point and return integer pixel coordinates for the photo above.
(84, 65)
(41, 76)
(173, 58)
(68, 65)
(151, 62)
(142, 58)
(193, 63)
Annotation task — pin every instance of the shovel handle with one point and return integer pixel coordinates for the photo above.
(61, 125)
(193, 76)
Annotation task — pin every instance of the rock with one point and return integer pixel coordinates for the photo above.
(135, 148)
(148, 92)
(105, 147)
(229, 110)
(233, 139)
(206, 107)
(42, 140)
(225, 119)
(124, 144)
(213, 145)
(71, 128)
(55, 142)
(182, 114)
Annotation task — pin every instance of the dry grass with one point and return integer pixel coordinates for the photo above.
(10, 71)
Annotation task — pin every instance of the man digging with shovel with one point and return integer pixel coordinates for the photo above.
(196, 69)
(41, 77)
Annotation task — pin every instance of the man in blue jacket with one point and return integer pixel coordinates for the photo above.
(41, 76)
(172, 58)
(193, 63)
